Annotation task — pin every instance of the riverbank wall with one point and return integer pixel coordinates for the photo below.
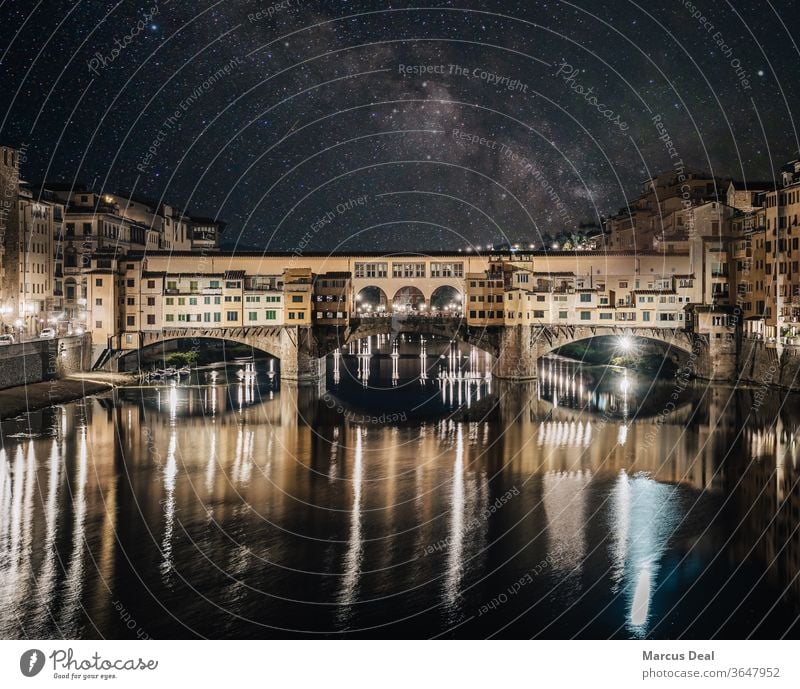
(769, 367)
(38, 361)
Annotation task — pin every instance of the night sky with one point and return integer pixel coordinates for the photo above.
(311, 111)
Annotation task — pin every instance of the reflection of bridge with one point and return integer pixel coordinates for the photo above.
(516, 349)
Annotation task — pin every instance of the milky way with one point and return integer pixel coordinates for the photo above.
(460, 122)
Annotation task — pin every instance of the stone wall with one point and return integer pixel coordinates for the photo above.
(520, 349)
(40, 360)
(299, 361)
(762, 365)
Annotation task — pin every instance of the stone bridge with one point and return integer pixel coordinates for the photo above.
(516, 349)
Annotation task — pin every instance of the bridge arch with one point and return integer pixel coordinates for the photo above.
(630, 343)
(409, 298)
(371, 299)
(446, 299)
(261, 339)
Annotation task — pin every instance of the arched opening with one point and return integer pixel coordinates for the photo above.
(191, 352)
(408, 299)
(627, 350)
(371, 300)
(446, 300)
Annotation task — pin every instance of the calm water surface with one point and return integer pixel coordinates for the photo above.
(411, 495)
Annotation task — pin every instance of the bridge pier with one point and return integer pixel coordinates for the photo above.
(718, 359)
(299, 362)
(518, 354)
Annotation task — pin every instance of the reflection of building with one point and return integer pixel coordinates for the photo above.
(766, 491)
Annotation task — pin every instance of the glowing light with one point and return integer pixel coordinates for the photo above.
(641, 599)
(625, 343)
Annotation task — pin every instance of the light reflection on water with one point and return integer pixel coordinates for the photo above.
(241, 506)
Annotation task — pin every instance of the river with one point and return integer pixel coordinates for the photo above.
(409, 495)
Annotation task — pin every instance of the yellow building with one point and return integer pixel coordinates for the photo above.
(297, 292)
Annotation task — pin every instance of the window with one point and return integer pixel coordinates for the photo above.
(169, 317)
(214, 284)
(586, 298)
(605, 316)
(297, 298)
(270, 315)
(151, 319)
(291, 315)
(538, 313)
(217, 317)
(232, 315)
(151, 301)
(169, 301)
(98, 282)
(181, 301)
(130, 320)
(447, 270)
(98, 324)
(131, 301)
(193, 286)
(252, 315)
(98, 302)
(151, 284)
(408, 270)
(232, 284)
(562, 314)
(586, 315)
(192, 301)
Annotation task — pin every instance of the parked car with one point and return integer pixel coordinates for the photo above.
(6, 340)
(47, 334)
